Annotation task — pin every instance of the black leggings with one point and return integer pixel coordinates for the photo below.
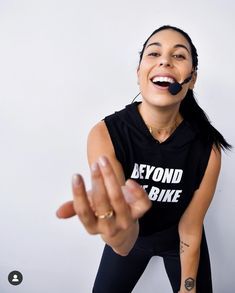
(119, 274)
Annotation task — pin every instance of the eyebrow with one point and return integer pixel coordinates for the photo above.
(175, 46)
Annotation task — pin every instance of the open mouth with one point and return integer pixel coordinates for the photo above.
(161, 81)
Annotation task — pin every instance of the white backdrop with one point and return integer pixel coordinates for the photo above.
(64, 65)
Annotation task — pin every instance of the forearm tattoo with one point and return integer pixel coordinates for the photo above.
(189, 284)
(182, 246)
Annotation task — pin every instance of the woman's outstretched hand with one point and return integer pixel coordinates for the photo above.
(108, 208)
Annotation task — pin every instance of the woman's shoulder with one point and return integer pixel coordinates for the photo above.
(98, 131)
(123, 113)
(101, 131)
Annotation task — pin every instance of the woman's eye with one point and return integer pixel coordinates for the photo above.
(179, 56)
(154, 54)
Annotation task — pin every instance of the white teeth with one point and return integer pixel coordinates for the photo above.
(163, 79)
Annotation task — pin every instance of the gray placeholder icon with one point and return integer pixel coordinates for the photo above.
(15, 278)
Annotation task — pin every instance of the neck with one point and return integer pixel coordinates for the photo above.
(161, 122)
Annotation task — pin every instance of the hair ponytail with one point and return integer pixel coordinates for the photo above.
(194, 114)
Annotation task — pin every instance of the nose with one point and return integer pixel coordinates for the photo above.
(165, 64)
(165, 61)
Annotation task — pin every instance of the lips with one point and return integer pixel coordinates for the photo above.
(162, 81)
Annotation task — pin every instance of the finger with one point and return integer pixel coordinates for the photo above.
(89, 196)
(99, 198)
(81, 205)
(66, 210)
(114, 192)
(137, 190)
(137, 198)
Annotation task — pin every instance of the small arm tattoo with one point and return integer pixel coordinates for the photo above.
(181, 248)
(189, 284)
(182, 245)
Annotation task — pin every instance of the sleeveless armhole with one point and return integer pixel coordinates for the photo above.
(113, 131)
(203, 164)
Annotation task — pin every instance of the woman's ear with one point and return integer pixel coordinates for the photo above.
(137, 73)
(193, 80)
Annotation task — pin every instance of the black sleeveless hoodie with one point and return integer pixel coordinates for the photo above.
(170, 171)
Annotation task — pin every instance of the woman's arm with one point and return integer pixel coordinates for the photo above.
(99, 144)
(191, 223)
(109, 191)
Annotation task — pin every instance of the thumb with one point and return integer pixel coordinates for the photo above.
(66, 210)
(137, 198)
(128, 195)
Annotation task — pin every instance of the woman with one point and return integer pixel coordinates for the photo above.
(154, 168)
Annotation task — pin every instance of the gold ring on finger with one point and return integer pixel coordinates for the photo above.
(109, 214)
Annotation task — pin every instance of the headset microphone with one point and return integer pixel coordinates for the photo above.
(175, 88)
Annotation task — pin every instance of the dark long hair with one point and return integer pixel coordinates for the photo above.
(189, 108)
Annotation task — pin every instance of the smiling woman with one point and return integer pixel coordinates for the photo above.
(151, 190)
(171, 52)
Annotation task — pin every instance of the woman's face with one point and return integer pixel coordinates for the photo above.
(167, 58)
